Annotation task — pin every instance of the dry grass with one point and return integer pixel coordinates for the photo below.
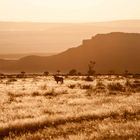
(38, 108)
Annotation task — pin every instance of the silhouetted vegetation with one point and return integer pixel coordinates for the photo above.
(72, 86)
(89, 79)
(72, 72)
(116, 87)
(46, 73)
(58, 72)
(91, 66)
(21, 75)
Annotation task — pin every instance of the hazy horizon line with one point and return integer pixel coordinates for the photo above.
(102, 21)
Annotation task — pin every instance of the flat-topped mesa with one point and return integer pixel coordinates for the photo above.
(87, 42)
(98, 38)
(114, 34)
(112, 51)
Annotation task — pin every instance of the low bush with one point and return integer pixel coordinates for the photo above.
(72, 86)
(50, 93)
(89, 79)
(133, 86)
(100, 87)
(35, 93)
(116, 87)
(44, 87)
(11, 80)
(86, 87)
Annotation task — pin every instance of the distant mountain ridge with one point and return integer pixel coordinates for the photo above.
(112, 51)
(28, 37)
(13, 56)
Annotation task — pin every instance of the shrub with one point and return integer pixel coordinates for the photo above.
(62, 92)
(137, 82)
(35, 93)
(72, 86)
(86, 87)
(73, 72)
(100, 87)
(46, 73)
(112, 92)
(133, 86)
(89, 79)
(12, 80)
(50, 93)
(13, 96)
(44, 87)
(90, 92)
(116, 87)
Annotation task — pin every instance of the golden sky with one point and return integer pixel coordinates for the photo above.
(68, 10)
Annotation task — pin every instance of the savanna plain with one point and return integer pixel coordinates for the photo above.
(37, 108)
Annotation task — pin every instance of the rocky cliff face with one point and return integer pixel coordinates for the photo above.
(113, 51)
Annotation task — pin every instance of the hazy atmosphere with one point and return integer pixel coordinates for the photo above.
(68, 10)
(52, 26)
(69, 69)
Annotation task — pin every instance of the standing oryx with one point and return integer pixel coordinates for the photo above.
(59, 79)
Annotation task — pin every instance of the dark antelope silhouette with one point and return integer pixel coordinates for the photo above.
(58, 79)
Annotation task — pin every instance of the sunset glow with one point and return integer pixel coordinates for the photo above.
(68, 10)
(69, 69)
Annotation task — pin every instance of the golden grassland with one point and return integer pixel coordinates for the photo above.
(38, 108)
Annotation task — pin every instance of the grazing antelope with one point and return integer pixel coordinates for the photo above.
(58, 79)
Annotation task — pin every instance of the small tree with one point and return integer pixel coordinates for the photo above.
(126, 73)
(79, 73)
(23, 72)
(2, 76)
(21, 75)
(46, 73)
(91, 66)
(111, 72)
(58, 72)
(73, 72)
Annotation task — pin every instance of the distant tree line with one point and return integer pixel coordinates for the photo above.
(73, 72)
